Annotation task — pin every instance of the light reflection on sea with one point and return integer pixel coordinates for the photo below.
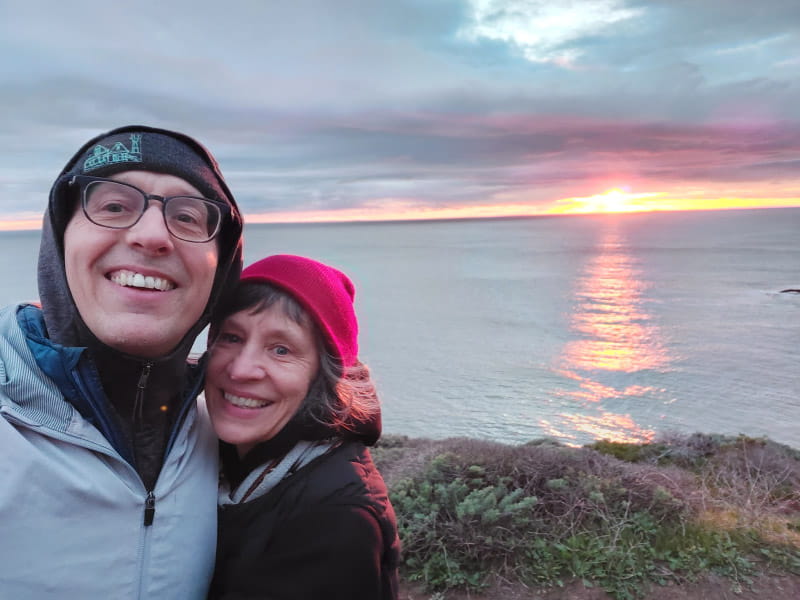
(614, 333)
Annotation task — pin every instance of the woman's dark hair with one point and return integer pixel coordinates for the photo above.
(339, 397)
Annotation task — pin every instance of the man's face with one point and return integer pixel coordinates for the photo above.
(139, 290)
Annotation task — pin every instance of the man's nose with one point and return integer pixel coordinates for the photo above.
(150, 233)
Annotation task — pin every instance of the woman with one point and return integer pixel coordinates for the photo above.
(304, 513)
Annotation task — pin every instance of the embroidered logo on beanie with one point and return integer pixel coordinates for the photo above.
(102, 156)
(157, 151)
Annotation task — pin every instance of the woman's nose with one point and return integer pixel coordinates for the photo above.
(246, 366)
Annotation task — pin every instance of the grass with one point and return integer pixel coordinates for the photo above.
(621, 517)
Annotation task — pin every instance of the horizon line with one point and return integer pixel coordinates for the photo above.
(261, 219)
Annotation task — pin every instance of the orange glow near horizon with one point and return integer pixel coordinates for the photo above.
(612, 201)
(21, 225)
(397, 212)
(619, 201)
(615, 200)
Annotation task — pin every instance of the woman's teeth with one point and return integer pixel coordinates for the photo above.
(246, 402)
(131, 279)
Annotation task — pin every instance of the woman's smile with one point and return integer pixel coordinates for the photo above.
(243, 402)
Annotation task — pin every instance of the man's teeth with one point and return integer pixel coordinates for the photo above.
(131, 279)
(246, 402)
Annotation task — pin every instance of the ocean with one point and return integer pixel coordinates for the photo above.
(621, 326)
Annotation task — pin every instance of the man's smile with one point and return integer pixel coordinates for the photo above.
(133, 279)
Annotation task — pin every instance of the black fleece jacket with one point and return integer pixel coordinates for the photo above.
(328, 531)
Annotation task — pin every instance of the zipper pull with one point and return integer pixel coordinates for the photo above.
(140, 387)
(145, 374)
(149, 508)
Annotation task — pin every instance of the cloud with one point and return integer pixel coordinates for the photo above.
(456, 161)
(314, 105)
(544, 31)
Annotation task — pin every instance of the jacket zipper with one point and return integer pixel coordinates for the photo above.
(138, 402)
(141, 386)
(149, 508)
(150, 501)
(138, 407)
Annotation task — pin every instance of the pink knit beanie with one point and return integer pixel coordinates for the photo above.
(324, 292)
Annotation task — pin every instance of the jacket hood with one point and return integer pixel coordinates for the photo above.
(174, 153)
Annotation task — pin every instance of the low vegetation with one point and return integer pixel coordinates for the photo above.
(622, 517)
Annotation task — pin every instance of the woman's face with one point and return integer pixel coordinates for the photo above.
(259, 370)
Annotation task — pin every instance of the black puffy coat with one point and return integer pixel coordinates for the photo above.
(326, 532)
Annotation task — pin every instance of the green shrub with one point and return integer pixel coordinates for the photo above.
(627, 452)
(543, 514)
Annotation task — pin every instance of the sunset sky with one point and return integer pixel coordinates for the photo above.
(386, 109)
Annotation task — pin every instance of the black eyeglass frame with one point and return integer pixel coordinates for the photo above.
(83, 182)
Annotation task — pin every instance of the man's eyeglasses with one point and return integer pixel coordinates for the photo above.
(118, 205)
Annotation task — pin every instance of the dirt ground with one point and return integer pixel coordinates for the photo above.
(765, 587)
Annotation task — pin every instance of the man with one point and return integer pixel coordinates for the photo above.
(108, 473)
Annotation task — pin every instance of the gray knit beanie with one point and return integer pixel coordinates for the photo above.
(145, 150)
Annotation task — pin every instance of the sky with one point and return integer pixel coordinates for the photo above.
(386, 109)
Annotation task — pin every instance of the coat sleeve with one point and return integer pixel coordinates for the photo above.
(332, 553)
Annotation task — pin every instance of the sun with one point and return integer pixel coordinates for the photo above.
(610, 201)
(615, 200)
